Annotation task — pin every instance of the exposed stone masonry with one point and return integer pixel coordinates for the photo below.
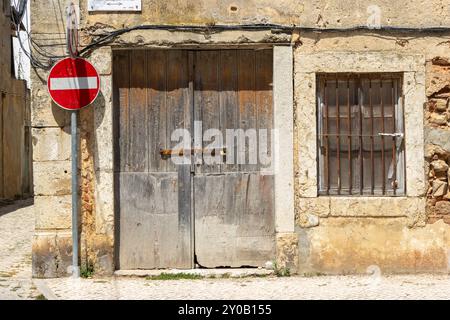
(437, 149)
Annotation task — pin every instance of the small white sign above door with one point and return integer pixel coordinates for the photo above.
(114, 5)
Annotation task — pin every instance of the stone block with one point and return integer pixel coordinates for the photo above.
(287, 252)
(439, 188)
(373, 206)
(439, 166)
(52, 178)
(437, 81)
(50, 144)
(319, 206)
(432, 150)
(438, 137)
(439, 119)
(51, 254)
(53, 212)
(441, 105)
(308, 220)
(442, 207)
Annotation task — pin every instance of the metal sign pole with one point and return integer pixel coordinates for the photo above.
(74, 138)
(72, 46)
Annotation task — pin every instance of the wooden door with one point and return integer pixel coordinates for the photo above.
(233, 201)
(172, 216)
(153, 93)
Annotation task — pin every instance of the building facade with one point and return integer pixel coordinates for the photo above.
(15, 129)
(356, 96)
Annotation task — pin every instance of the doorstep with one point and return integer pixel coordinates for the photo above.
(232, 272)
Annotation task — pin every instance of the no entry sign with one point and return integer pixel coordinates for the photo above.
(73, 83)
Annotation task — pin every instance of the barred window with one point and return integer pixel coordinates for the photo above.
(360, 134)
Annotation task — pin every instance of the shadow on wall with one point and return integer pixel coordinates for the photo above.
(62, 116)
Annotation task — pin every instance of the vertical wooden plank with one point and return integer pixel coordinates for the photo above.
(184, 215)
(228, 71)
(247, 107)
(191, 199)
(137, 126)
(177, 96)
(185, 212)
(264, 103)
(156, 96)
(117, 76)
(207, 101)
(122, 90)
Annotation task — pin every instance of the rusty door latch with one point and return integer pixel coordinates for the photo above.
(167, 153)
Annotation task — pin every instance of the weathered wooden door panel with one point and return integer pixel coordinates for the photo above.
(234, 223)
(158, 91)
(149, 221)
(233, 202)
(153, 91)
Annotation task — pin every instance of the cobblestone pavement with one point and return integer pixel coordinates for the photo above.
(16, 232)
(319, 287)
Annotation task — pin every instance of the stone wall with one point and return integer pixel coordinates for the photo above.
(437, 148)
(312, 13)
(332, 235)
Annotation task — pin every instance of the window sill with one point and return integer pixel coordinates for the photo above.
(361, 206)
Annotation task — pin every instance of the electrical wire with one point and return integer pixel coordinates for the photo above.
(109, 37)
(41, 58)
(45, 60)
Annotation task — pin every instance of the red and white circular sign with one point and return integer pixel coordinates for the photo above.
(73, 83)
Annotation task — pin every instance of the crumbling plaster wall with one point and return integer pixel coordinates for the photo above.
(348, 235)
(340, 243)
(311, 13)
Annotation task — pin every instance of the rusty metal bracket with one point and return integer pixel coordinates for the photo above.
(181, 152)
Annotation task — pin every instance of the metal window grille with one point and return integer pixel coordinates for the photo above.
(360, 134)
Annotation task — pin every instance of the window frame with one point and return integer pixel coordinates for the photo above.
(398, 153)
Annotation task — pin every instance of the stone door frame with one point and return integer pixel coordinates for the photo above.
(284, 149)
